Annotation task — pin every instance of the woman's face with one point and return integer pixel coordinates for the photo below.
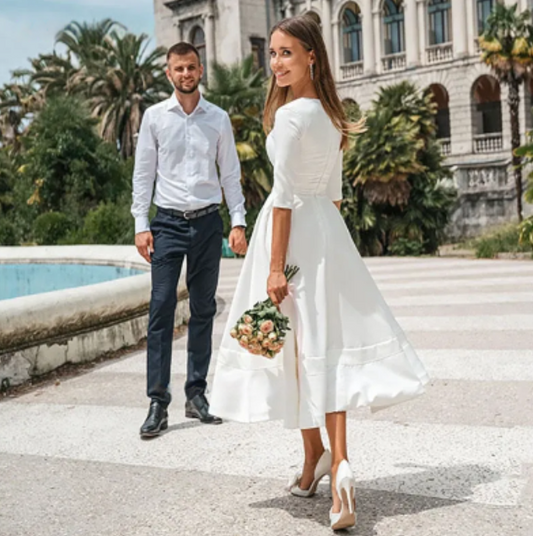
(289, 60)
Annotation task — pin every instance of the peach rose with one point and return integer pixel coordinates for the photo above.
(272, 336)
(267, 326)
(260, 336)
(234, 333)
(248, 319)
(246, 329)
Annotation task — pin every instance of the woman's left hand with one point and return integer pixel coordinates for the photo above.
(277, 287)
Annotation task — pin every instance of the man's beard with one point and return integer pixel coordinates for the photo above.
(181, 89)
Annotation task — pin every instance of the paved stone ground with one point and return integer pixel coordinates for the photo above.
(456, 462)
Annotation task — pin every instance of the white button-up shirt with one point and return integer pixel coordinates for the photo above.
(179, 152)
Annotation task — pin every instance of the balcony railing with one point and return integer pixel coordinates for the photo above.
(351, 70)
(445, 146)
(438, 53)
(488, 143)
(393, 62)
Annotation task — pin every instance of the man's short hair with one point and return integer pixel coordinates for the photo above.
(182, 49)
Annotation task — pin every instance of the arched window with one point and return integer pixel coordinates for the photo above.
(352, 34)
(487, 106)
(484, 9)
(393, 22)
(439, 13)
(198, 40)
(442, 119)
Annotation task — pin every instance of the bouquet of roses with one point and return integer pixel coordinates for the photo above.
(262, 329)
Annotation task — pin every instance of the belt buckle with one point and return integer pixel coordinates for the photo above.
(186, 214)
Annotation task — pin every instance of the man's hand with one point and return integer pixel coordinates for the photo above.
(144, 242)
(237, 241)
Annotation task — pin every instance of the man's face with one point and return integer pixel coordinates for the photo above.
(184, 72)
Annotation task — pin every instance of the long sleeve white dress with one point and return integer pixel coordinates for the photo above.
(345, 349)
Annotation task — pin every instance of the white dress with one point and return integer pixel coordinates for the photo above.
(345, 349)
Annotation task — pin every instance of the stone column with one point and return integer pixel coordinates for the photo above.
(326, 26)
(289, 9)
(369, 50)
(423, 34)
(378, 42)
(336, 63)
(210, 48)
(459, 31)
(411, 34)
(179, 28)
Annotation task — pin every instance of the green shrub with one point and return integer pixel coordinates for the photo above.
(404, 247)
(505, 239)
(109, 223)
(526, 232)
(49, 228)
(8, 234)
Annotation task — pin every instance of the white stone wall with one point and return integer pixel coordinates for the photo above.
(165, 32)
(228, 32)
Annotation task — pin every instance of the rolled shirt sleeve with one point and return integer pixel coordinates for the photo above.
(334, 189)
(144, 174)
(230, 173)
(288, 134)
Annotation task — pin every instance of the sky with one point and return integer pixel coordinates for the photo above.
(28, 27)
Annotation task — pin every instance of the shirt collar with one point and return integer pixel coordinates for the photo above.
(174, 103)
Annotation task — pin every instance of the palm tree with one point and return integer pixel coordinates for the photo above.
(121, 87)
(17, 103)
(507, 48)
(51, 72)
(88, 42)
(397, 129)
(240, 90)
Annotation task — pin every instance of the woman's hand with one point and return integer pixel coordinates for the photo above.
(277, 287)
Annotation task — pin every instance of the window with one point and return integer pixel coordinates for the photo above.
(198, 40)
(442, 118)
(484, 9)
(487, 106)
(439, 12)
(393, 22)
(352, 35)
(258, 53)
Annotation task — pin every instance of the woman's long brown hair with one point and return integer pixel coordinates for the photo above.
(307, 31)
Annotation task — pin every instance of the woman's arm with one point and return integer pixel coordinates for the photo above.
(287, 158)
(277, 287)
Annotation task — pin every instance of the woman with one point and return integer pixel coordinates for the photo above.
(345, 349)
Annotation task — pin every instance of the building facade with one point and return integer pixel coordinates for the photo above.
(374, 43)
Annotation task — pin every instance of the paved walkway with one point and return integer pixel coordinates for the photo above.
(458, 461)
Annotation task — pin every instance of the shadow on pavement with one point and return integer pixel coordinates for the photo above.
(375, 503)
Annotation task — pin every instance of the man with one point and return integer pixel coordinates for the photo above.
(181, 142)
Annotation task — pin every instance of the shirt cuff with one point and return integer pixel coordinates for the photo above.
(142, 224)
(238, 219)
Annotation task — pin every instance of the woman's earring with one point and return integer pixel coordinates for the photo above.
(312, 70)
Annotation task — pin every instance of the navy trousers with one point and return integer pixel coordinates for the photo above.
(200, 241)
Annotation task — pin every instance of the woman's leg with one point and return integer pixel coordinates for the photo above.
(336, 427)
(313, 449)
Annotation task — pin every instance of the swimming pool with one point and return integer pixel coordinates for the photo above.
(25, 279)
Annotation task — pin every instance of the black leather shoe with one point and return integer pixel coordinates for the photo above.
(198, 408)
(156, 421)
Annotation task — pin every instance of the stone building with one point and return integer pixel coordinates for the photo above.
(373, 43)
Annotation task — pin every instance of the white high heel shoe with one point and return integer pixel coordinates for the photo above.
(345, 486)
(322, 469)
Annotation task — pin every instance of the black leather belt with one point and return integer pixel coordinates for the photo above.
(189, 214)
